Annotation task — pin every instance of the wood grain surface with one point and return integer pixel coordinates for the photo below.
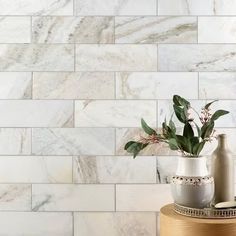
(173, 224)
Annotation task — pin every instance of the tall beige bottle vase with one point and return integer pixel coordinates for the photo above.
(223, 171)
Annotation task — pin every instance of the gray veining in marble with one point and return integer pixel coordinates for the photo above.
(36, 57)
(156, 30)
(114, 169)
(73, 85)
(77, 141)
(197, 57)
(75, 29)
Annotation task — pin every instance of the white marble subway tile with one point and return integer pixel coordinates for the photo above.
(197, 57)
(156, 29)
(36, 57)
(37, 224)
(73, 197)
(114, 169)
(35, 169)
(116, 57)
(35, 7)
(115, 7)
(15, 141)
(73, 29)
(156, 85)
(166, 167)
(199, 7)
(186, 7)
(15, 29)
(115, 224)
(112, 113)
(217, 29)
(15, 85)
(165, 109)
(77, 141)
(142, 197)
(15, 197)
(217, 85)
(73, 85)
(28, 113)
(123, 135)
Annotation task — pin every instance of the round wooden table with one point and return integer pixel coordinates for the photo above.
(173, 224)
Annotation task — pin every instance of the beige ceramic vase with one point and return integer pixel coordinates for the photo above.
(223, 171)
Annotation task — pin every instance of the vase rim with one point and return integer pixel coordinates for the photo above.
(192, 157)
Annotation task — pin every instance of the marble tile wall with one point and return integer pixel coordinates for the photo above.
(76, 77)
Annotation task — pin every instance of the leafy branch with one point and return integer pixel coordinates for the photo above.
(188, 143)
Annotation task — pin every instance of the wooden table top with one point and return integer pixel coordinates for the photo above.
(173, 224)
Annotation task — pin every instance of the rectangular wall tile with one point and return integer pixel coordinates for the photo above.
(35, 169)
(75, 29)
(15, 197)
(123, 135)
(35, 7)
(222, 30)
(114, 169)
(35, 57)
(28, 113)
(165, 110)
(73, 197)
(15, 85)
(142, 197)
(114, 113)
(217, 85)
(186, 7)
(73, 85)
(198, 57)
(15, 141)
(166, 167)
(77, 141)
(199, 7)
(15, 29)
(156, 85)
(125, 223)
(115, 7)
(156, 29)
(40, 224)
(116, 57)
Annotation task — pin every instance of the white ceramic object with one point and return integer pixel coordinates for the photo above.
(221, 205)
(192, 166)
(192, 186)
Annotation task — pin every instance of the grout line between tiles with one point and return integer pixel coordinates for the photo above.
(157, 7)
(198, 84)
(73, 223)
(115, 197)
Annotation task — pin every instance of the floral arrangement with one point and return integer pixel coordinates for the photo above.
(194, 136)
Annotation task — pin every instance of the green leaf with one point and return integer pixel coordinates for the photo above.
(198, 148)
(179, 101)
(135, 147)
(218, 114)
(180, 113)
(188, 131)
(173, 144)
(146, 128)
(172, 126)
(207, 129)
(198, 130)
(209, 104)
(184, 143)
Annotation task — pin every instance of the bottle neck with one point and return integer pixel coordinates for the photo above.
(222, 141)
